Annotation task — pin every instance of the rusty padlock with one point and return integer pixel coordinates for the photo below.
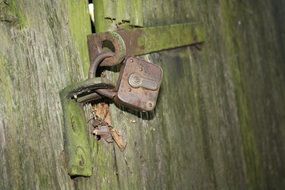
(138, 84)
(137, 87)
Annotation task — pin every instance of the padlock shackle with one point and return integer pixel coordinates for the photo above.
(97, 61)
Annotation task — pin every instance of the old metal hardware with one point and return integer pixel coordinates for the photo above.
(137, 90)
(92, 88)
(139, 84)
(104, 133)
(82, 92)
(140, 41)
(137, 87)
(76, 145)
(72, 98)
(102, 130)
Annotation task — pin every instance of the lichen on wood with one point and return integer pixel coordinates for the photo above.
(219, 118)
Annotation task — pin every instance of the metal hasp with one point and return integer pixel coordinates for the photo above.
(137, 87)
(140, 41)
(75, 128)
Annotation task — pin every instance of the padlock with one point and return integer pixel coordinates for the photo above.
(138, 84)
(137, 88)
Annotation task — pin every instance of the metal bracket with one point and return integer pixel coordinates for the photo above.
(140, 41)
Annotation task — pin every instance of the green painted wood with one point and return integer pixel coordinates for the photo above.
(219, 123)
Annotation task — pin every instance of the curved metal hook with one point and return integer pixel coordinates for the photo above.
(97, 61)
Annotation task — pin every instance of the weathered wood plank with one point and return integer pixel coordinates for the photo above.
(39, 56)
(212, 118)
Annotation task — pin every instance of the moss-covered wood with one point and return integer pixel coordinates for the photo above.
(219, 123)
(42, 49)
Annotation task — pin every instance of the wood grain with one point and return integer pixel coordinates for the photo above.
(220, 119)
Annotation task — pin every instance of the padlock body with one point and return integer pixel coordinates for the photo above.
(138, 84)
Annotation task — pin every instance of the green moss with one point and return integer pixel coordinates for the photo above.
(11, 12)
(137, 13)
(80, 27)
(76, 131)
(234, 42)
(76, 139)
(170, 36)
(101, 23)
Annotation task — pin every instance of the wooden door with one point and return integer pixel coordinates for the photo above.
(219, 122)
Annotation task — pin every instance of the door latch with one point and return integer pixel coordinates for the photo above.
(137, 87)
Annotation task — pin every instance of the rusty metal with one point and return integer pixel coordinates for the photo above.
(85, 92)
(101, 129)
(137, 88)
(141, 93)
(110, 135)
(140, 41)
(110, 40)
(97, 61)
(86, 87)
(103, 132)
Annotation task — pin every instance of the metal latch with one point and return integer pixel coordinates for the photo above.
(141, 41)
(137, 87)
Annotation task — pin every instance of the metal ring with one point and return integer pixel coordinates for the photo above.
(97, 61)
(119, 47)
